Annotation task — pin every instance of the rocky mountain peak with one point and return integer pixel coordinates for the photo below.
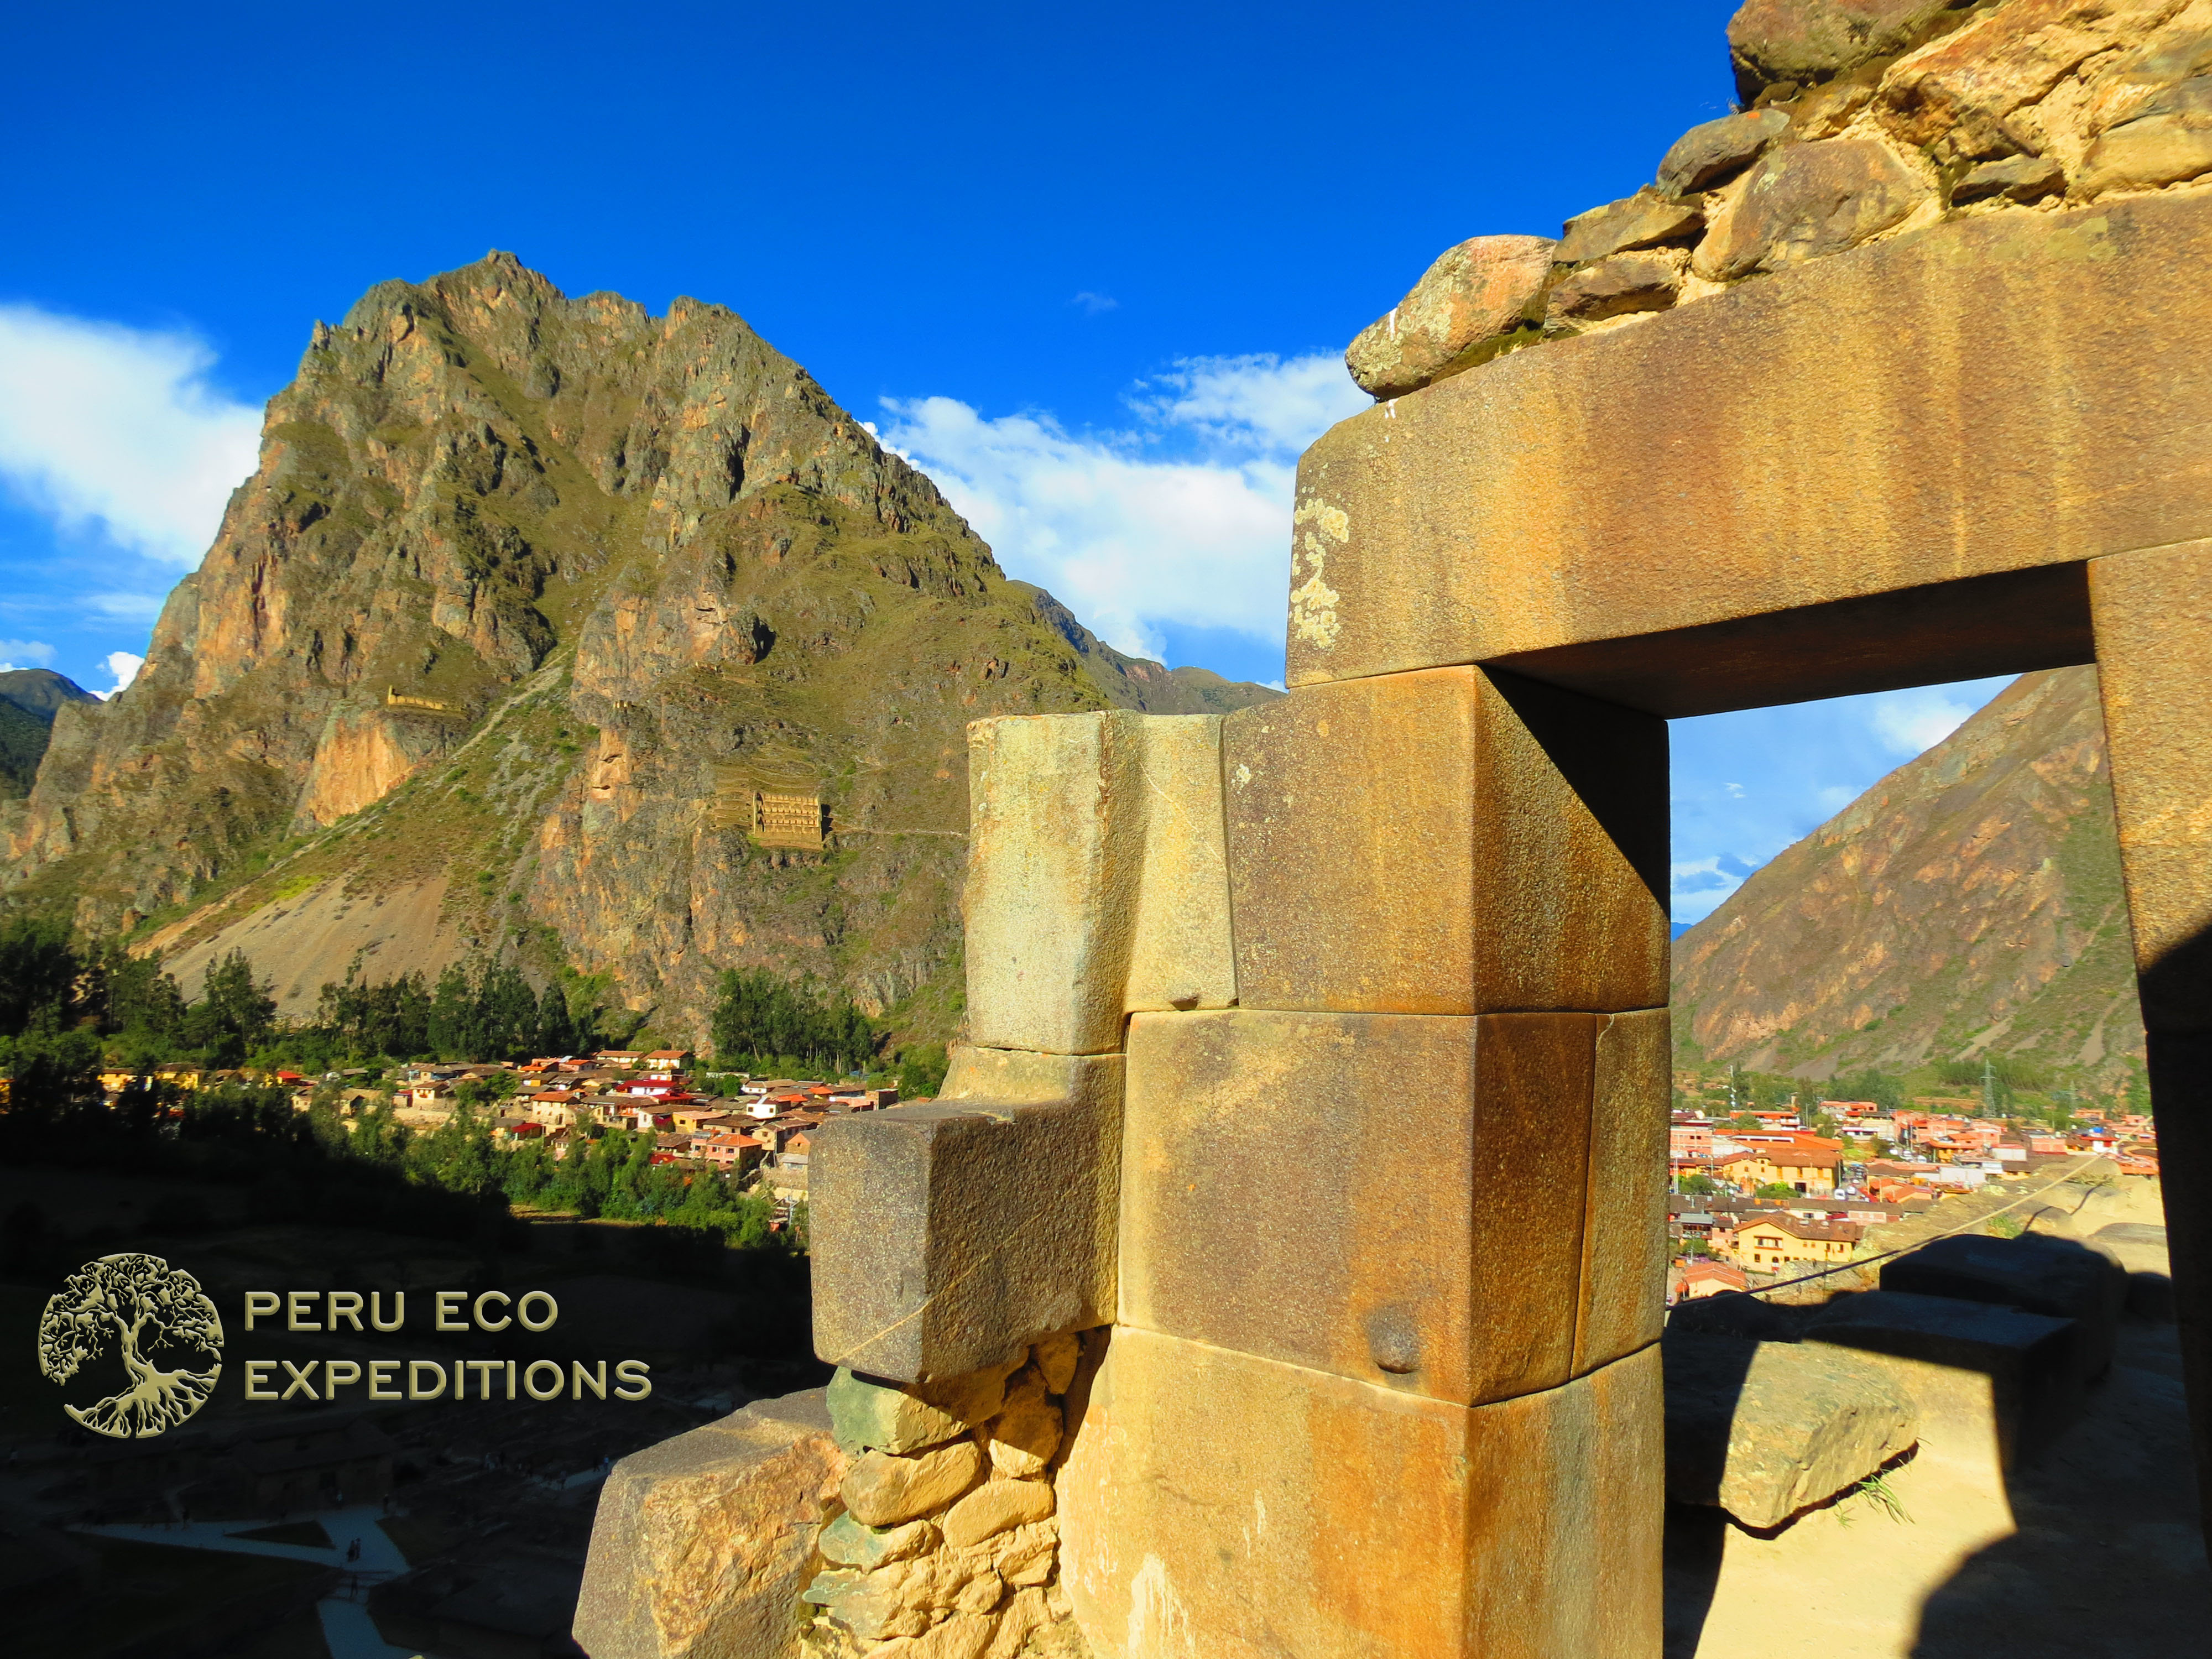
(524, 592)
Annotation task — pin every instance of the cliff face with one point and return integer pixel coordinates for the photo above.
(29, 700)
(526, 599)
(1969, 902)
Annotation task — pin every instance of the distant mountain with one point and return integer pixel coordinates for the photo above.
(29, 698)
(532, 606)
(41, 691)
(1970, 902)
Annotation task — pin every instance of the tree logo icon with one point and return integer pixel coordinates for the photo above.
(142, 1304)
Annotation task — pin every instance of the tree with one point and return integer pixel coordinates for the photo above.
(1775, 1190)
(235, 1015)
(1698, 1185)
(119, 1298)
(1883, 1090)
(761, 1019)
(38, 970)
(921, 1072)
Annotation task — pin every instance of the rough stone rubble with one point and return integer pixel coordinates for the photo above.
(1863, 119)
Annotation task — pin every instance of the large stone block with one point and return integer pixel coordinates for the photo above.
(1671, 476)
(1096, 878)
(2153, 613)
(1987, 1381)
(1221, 1504)
(1809, 202)
(1765, 1430)
(702, 1543)
(949, 1237)
(2056, 1278)
(1450, 841)
(1399, 1200)
(1624, 1276)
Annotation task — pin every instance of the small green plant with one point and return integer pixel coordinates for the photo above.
(1876, 1490)
(2007, 1226)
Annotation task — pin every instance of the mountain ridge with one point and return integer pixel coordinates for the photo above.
(1968, 903)
(29, 700)
(526, 596)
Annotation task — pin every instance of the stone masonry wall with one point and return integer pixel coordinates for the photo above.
(945, 1541)
(1859, 124)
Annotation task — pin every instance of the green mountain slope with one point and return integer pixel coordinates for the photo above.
(29, 698)
(1968, 903)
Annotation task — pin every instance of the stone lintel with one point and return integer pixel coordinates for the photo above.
(2022, 390)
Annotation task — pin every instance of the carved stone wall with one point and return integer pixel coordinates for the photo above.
(1939, 411)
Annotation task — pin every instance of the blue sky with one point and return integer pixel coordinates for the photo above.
(1093, 268)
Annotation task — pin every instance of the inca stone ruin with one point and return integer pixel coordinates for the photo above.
(1899, 376)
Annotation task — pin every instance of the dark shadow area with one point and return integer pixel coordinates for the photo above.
(2009, 623)
(492, 1499)
(1613, 758)
(2057, 1348)
(1705, 1357)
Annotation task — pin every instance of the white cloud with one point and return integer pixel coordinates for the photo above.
(127, 607)
(124, 666)
(1913, 722)
(113, 427)
(1183, 518)
(24, 653)
(1092, 304)
(1258, 404)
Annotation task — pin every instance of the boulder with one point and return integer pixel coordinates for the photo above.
(870, 1415)
(701, 1543)
(849, 1542)
(1717, 151)
(1812, 40)
(2140, 1250)
(2137, 1246)
(2155, 150)
(1057, 1358)
(1808, 201)
(1026, 1435)
(1462, 312)
(1983, 89)
(884, 1490)
(1643, 220)
(865, 1604)
(2016, 178)
(2056, 1278)
(1766, 1429)
(994, 1507)
(1979, 1374)
(1647, 280)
